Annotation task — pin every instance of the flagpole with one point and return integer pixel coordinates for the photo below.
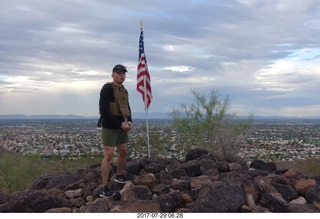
(146, 111)
(146, 102)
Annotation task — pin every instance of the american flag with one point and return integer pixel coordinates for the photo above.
(143, 76)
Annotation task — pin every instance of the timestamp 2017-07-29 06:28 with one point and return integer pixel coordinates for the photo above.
(159, 215)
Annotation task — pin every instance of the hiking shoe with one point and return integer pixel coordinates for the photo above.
(121, 179)
(106, 193)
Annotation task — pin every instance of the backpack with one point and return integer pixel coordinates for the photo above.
(99, 123)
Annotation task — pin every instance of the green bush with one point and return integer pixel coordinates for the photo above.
(207, 124)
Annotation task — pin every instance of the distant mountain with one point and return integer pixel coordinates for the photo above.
(284, 117)
(142, 115)
(21, 116)
(138, 115)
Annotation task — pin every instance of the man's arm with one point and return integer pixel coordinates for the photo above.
(106, 96)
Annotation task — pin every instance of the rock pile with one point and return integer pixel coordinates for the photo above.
(200, 183)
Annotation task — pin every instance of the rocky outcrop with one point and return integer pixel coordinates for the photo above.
(200, 183)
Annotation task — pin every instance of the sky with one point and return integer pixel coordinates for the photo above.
(55, 55)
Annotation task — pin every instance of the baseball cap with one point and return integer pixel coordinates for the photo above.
(118, 68)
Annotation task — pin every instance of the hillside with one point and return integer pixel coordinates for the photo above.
(199, 183)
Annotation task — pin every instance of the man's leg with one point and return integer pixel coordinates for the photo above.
(105, 164)
(121, 162)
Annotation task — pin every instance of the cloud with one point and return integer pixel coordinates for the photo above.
(180, 68)
(263, 54)
(293, 73)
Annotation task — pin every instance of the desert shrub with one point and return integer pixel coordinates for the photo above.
(207, 124)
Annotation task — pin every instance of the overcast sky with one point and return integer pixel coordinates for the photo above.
(55, 55)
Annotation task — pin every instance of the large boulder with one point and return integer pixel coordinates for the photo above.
(262, 165)
(218, 197)
(33, 201)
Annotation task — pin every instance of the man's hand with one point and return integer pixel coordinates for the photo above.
(129, 124)
(126, 126)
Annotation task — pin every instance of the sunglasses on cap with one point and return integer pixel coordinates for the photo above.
(119, 68)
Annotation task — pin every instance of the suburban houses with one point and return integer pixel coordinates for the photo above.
(267, 139)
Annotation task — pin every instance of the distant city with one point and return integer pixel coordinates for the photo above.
(138, 115)
(52, 137)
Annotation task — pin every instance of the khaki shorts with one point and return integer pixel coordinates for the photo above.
(113, 137)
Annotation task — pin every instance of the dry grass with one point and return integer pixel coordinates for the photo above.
(17, 172)
(310, 166)
(15, 168)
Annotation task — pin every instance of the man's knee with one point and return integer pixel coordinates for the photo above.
(108, 158)
(122, 150)
(108, 153)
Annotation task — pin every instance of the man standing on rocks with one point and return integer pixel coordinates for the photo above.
(116, 121)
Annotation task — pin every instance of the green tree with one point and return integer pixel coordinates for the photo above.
(206, 124)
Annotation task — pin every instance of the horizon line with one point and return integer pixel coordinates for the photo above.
(139, 115)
